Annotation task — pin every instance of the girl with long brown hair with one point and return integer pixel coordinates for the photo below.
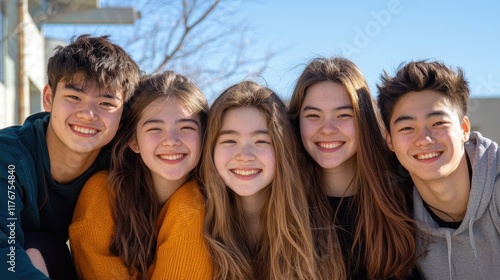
(256, 224)
(144, 218)
(354, 195)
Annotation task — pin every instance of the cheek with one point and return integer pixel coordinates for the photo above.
(457, 141)
(62, 109)
(272, 166)
(219, 158)
(268, 156)
(148, 142)
(350, 129)
(145, 152)
(306, 130)
(400, 143)
(193, 142)
(112, 119)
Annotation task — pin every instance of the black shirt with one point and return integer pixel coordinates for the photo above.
(345, 220)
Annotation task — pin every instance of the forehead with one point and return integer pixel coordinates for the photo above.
(326, 94)
(90, 86)
(422, 103)
(244, 119)
(167, 108)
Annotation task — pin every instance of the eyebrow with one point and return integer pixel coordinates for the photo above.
(77, 88)
(234, 132)
(428, 116)
(183, 120)
(312, 108)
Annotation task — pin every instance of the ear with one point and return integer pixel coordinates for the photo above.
(134, 146)
(388, 139)
(465, 128)
(47, 98)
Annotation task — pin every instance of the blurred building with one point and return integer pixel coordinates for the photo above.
(23, 47)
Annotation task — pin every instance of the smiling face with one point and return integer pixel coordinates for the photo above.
(427, 135)
(168, 138)
(82, 120)
(243, 153)
(327, 126)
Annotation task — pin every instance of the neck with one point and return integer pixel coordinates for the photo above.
(447, 197)
(252, 208)
(338, 181)
(67, 165)
(165, 188)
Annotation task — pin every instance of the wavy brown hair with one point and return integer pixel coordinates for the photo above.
(285, 250)
(384, 228)
(102, 64)
(136, 206)
(423, 75)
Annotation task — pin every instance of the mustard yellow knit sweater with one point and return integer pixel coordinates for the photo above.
(181, 250)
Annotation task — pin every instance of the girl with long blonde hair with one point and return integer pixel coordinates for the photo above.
(257, 224)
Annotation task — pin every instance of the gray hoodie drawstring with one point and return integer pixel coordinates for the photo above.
(471, 237)
(448, 242)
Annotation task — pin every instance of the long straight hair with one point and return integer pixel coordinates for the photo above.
(285, 249)
(136, 205)
(384, 228)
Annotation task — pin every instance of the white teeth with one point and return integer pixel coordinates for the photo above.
(245, 172)
(171, 157)
(330, 145)
(84, 130)
(428, 156)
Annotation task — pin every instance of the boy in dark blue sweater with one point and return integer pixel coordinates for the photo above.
(45, 162)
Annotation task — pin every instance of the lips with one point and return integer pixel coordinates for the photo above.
(84, 130)
(425, 156)
(246, 172)
(330, 145)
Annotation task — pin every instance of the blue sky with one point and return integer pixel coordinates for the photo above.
(376, 35)
(379, 35)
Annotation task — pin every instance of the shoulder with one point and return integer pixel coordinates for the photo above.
(24, 148)
(188, 194)
(94, 204)
(95, 191)
(478, 146)
(182, 216)
(22, 139)
(185, 204)
(483, 153)
(97, 181)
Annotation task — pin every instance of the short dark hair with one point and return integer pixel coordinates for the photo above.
(102, 64)
(423, 75)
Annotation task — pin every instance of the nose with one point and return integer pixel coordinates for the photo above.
(88, 113)
(245, 153)
(171, 139)
(424, 137)
(329, 126)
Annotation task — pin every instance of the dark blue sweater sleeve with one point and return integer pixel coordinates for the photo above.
(14, 262)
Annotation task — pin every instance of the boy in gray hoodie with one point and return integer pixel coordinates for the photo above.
(455, 172)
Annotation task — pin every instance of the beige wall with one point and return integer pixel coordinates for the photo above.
(484, 115)
(32, 71)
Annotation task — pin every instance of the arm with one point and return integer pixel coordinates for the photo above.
(14, 200)
(91, 231)
(37, 260)
(181, 250)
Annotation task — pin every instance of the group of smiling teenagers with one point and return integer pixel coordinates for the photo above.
(147, 181)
